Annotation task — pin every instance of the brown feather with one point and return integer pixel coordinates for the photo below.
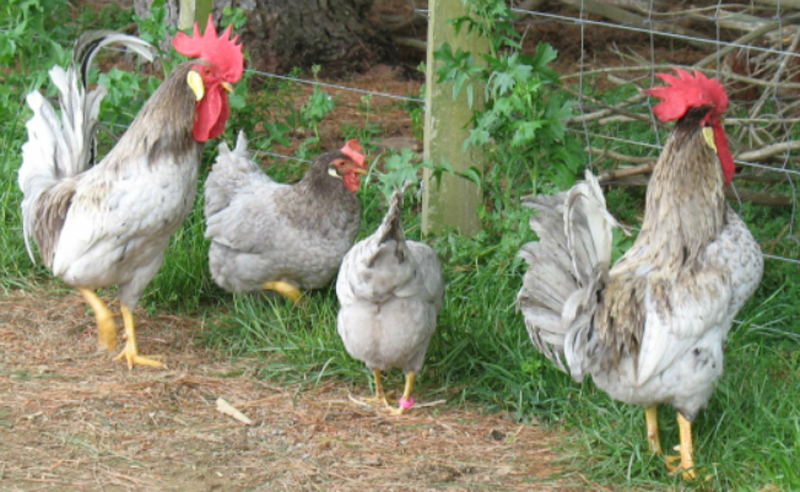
(50, 211)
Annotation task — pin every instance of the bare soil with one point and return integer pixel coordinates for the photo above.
(73, 420)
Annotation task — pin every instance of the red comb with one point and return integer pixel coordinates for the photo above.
(352, 149)
(221, 51)
(687, 91)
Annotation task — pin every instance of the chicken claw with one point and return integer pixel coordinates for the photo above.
(106, 329)
(131, 350)
(285, 289)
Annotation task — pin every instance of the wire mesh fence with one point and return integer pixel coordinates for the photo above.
(617, 46)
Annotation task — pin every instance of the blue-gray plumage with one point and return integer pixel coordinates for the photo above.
(390, 290)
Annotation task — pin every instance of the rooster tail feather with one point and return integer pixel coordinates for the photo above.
(566, 267)
(58, 148)
(588, 226)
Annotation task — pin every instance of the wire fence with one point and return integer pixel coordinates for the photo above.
(752, 48)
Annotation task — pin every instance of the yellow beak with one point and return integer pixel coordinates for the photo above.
(227, 86)
(358, 170)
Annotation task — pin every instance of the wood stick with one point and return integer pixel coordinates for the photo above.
(769, 151)
(634, 176)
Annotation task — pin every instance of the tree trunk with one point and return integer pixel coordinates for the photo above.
(282, 34)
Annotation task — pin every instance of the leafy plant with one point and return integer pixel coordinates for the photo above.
(311, 115)
(522, 122)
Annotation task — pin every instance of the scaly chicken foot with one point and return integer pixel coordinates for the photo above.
(651, 416)
(131, 350)
(380, 395)
(285, 289)
(106, 329)
(406, 401)
(685, 448)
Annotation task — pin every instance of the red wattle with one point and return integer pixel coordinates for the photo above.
(211, 114)
(724, 152)
(352, 181)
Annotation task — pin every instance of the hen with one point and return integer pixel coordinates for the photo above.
(274, 236)
(109, 223)
(651, 329)
(390, 291)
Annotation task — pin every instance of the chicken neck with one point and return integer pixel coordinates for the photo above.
(163, 127)
(685, 205)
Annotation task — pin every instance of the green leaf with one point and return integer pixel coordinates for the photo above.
(526, 132)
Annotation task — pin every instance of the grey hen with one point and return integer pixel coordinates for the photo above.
(275, 236)
(390, 291)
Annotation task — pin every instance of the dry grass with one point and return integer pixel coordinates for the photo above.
(73, 420)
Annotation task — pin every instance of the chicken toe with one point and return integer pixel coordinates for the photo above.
(131, 351)
(380, 394)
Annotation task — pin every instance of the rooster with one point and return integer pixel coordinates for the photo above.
(109, 223)
(390, 291)
(650, 329)
(279, 237)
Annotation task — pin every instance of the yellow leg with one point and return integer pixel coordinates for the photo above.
(651, 415)
(406, 401)
(380, 395)
(131, 350)
(284, 288)
(106, 329)
(686, 449)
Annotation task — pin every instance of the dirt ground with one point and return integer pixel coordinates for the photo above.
(73, 420)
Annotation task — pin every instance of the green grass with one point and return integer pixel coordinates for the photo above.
(748, 438)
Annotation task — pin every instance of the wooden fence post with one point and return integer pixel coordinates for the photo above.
(191, 11)
(453, 203)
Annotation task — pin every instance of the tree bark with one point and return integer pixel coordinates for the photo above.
(282, 34)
